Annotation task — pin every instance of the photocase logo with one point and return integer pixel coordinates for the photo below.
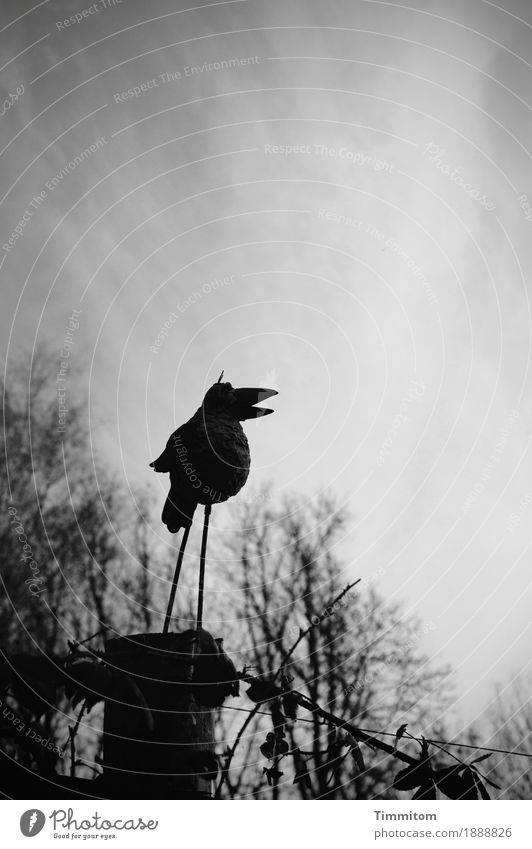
(32, 822)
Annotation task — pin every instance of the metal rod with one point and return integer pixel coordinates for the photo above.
(176, 579)
(199, 617)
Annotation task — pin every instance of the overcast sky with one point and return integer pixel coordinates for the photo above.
(326, 199)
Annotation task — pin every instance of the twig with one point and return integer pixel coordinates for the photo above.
(256, 709)
(480, 748)
(456, 758)
(357, 733)
(232, 750)
(97, 634)
(304, 633)
(392, 734)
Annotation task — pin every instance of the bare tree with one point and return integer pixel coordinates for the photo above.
(76, 557)
(507, 726)
(361, 661)
(60, 557)
(69, 554)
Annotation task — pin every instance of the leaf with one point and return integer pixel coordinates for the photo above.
(426, 791)
(274, 746)
(272, 775)
(491, 783)
(262, 690)
(303, 777)
(278, 718)
(92, 682)
(481, 758)
(470, 786)
(215, 676)
(481, 789)
(291, 704)
(412, 777)
(449, 781)
(333, 753)
(267, 749)
(89, 681)
(358, 757)
(282, 747)
(301, 772)
(456, 782)
(398, 734)
(417, 773)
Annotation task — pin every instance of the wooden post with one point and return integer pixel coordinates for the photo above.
(164, 748)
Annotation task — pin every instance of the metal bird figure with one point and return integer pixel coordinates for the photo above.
(208, 460)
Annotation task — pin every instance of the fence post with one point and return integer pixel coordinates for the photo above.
(163, 745)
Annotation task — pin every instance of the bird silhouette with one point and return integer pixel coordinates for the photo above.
(208, 459)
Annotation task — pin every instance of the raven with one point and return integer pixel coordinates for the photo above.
(208, 460)
(208, 457)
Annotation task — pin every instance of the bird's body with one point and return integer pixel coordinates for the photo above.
(208, 460)
(208, 457)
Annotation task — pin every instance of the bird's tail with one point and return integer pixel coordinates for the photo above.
(178, 510)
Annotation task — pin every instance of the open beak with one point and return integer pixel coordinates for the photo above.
(247, 398)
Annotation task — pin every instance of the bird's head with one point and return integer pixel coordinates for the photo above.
(222, 397)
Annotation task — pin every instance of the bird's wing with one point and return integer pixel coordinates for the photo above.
(169, 459)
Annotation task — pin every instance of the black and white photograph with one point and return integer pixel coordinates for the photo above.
(266, 349)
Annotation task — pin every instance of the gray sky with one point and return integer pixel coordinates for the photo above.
(351, 177)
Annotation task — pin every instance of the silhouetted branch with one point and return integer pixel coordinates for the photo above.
(302, 634)
(306, 632)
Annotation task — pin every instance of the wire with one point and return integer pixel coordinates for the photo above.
(482, 748)
(391, 734)
(451, 743)
(262, 712)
